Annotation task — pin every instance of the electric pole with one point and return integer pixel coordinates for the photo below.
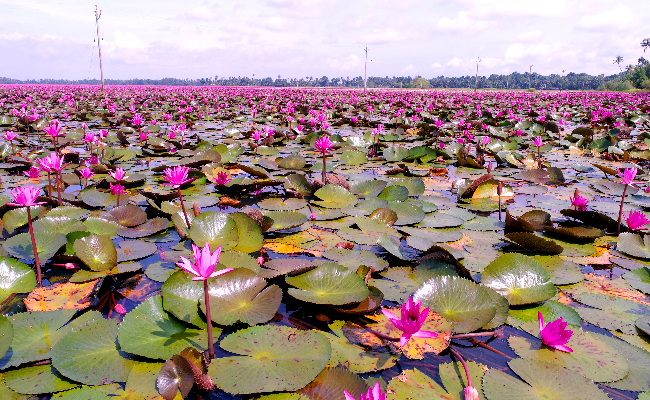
(530, 72)
(99, 44)
(478, 60)
(365, 72)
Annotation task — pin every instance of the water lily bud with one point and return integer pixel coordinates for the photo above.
(470, 393)
(312, 216)
(260, 260)
(499, 188)
(120, 309)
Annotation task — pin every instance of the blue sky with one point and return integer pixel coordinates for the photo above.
(301, 38)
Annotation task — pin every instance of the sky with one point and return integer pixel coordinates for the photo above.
(41, 39)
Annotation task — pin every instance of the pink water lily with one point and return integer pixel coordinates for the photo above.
(177, 176)
(537, 140)
(579, 203)
(222, 178)
(204, 264)
(627, 179)
(373, 393)
(636, 220)
(33, 173)
(25, 196)
(118, 175)
(323, 144)
(554, 333)
(410, 322)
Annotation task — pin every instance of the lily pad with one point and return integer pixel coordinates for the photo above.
(215, 228)
(459, 300)
(97, 252)
(47, 244)
(150, 227)
(519, 278)
(634, 245)
(15, 277)
(328, 284)
(282, 359)
(38, 380)
(335, 196)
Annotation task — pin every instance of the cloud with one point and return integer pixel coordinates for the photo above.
(436, 65)
(384, 35)
(463, 23)
(408, 69)
(128, 40)
(345, 63)
(201, 13)
(621, 14)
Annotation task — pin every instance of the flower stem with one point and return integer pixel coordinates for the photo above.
(187, 221)
(36, 261)
(483, 344)
(58, 178)
(324, 167)
(471, 335)
(620, 211)
(209, 320)
(382, 336)
(539, 158)
(49, 186)
(462, 361)
(118, 198)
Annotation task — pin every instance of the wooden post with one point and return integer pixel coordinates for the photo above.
(99, 45)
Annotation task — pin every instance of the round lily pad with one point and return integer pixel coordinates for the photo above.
(634, 244)
(60, 224)
(271, 358)
(465, 303)
(39, 379)
(101, 226)
(47, 244)
(439, 220)
(639, 279)
(277, 204)
(242, 296)
(394, 193)
(127, 215)
(328, 284)
(150, 227)
(149, 331)
(15, 277)
(368, 188)
(181, 297)
(215, 228)
(283, 220)
(331, 382)
(97, 252)
(518, 278)
(353, 157)
(335, 196)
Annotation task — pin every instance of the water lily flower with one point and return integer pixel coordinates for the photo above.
(373, 393)
(25, 196)
(470, 393)
(86, 173)
(485, 140)
(324, 125)
(117, 189)
(222, 178)
(33, 173)
(118, 175)
(537, 140)
(137, 120)
(323, 144)
(10, 135)
(627, 179)
(579, 203)
(54, 129)
(119, 309)
(203, 268)
(554, 333)
(636, 219)
(260, 260)
(410, 322)
(53, 163)
(177, 176)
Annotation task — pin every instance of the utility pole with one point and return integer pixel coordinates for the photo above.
(365, 72)
(478, 60)
(530, 72)
(99, 44)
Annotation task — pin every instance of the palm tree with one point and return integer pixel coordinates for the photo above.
(645, 44)
(618, 60)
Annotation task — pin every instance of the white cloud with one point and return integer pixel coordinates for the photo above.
(408, 69)
(436, 65)
(128, 40)
(463, 23)
(457, 62)
(385, 35)
(202, 13)
(345, 63)
(621, 14)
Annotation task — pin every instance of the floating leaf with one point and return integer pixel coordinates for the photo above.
(15, 277)
(282, 359)
(127, 215)
(90, 355)
(328, 284)
(37, 380)
(335, 196)
(97, 252)
(242, 296)
(150, 227)
(352, 259)
(639, 279)
(47, 244)
(634, 245)
(533, 243)
(215, 228)
(176, 374)
(518, 278)
(150, 332)
(181, 297)
(459, 300)
(63, 296)
(551, 310)
(331, 382)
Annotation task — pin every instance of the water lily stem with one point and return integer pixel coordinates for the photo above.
(49, 185)
(36, 261)
(187, 221)
(382, 336)
(58, 178)
(471, 335)
(620, 211)
(324, 167)
(209, 320)
(462, 361)
(484, 345)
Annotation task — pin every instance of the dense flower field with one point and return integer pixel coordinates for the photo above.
(273, 244)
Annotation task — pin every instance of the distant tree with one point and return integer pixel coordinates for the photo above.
(618, 60)
(642, 62)
(645, 44)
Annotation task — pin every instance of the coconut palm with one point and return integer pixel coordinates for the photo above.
(618, 60)
(645, 44)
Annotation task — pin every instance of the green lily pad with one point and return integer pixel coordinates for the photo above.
(407, 214)
(533, 243)
(551, 310)
(215, 228)
(352, 259)
(181, 297)
(394, 193)
(149, 331)
(83, 393)
(353, 157)
(282, 359)
(591, 357)
(334, 196)
(242, 296)
(277, 204)
(129, 250)
(141, 381)
(298, 183)
(14, 219)
(464, 302)
(519, 278)
(283, 220)
(395, 153)
(638, 279)
(542, 381)
(293, 161)
(413, 384)
(127, 215)
(101, 226)
(611, 312)
(47, 244)
(634, 245)
(38, 380)
(6, 335)
(638, 379)
(454, 378)
(397, 284)
(97, 252)
(150, 227)
(439, 220)
(90, 356)
(328, 284)
(331, 382)
(562, 271)
(15, 277)
(484, 224)
(60, 224)
(390, 244)
(68, 211)
(368, 188)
